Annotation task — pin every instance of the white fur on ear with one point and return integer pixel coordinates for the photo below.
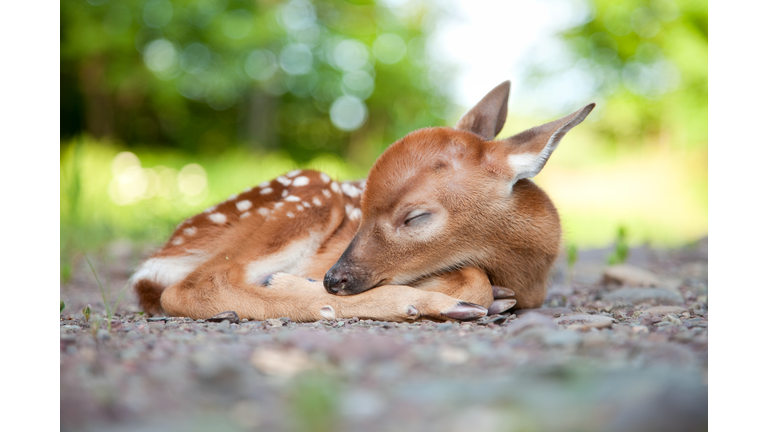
(524, 165)
(527, 165)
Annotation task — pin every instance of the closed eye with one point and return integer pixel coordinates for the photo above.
(415, 218)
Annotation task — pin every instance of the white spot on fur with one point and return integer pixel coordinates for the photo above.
(328, 312)
(362, 184)
(350, 190)
(263, 211)
(299, 208)
(316, 201)
(292, 198)
(210, 209)
(283, 181)
(324, 177)
(231, 197)
(243, 205)
(348, 208)
(285, 193)
(266, 191)
(169, 270)
(177, 241)
(218, 218)
(335, 187)
(247, 190)
(305, 204)
(190, 231)
(278, 205)
(293, 173)
(327, 193)
(245, 215)
(356, 214)
(301, 181)
(264, 184)
(290, 215)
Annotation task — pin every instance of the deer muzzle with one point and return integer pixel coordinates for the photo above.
(345, 279)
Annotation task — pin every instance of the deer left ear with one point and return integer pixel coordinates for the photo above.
(528, 151)
(488, 116)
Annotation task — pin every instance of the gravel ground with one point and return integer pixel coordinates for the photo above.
(619, 348)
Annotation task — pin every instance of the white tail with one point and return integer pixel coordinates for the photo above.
(445, 226)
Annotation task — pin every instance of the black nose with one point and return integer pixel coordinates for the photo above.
(333, 282)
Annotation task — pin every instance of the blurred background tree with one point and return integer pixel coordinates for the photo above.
(340, 77)
(646, 62)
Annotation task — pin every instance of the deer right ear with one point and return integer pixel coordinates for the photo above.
(528, 151)
(488, 116)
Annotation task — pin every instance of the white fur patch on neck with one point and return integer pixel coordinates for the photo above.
(290, 259)
(301, 181)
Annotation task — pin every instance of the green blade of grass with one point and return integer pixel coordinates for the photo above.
(98, 281)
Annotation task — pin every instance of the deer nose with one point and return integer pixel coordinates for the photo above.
(335, 280)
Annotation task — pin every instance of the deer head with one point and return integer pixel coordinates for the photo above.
(440, 198)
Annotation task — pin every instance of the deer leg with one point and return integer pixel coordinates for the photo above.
(471, 284)
(302, 300)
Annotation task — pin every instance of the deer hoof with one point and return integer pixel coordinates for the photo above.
(500, 292)
(499, 306)
(465, 311)
(412, 313)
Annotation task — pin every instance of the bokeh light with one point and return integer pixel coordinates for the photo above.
(132, 183)
(348, 113)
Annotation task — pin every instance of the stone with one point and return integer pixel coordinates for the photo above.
(230, 316)
(452, 355)
(629, 275)
(584, 321)
(672, 320)
(551, 312)
(664, 310)
(274, 322)
(284, 363)
(493, 319)
(528, 321)
(642, 295)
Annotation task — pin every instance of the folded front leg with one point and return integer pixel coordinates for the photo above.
(302, 300)
(386, 303)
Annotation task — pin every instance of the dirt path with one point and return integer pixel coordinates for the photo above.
(622, 351)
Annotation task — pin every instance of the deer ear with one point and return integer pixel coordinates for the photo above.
(528, 151)
(488, 116)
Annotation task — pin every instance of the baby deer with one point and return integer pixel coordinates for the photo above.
(446, 225)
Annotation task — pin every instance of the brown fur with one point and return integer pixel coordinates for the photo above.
(445, 214)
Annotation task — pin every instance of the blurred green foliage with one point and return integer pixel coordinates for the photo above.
(339, 77)
(314, 403)
(647, 59)
(621, 248)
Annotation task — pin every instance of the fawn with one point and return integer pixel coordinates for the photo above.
(447, 226)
